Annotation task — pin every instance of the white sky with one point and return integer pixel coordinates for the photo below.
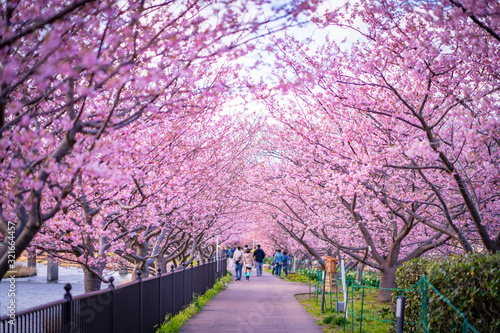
(307, 30)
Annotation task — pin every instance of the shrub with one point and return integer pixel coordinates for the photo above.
(334, 320)
(406, 277)
(338, 320)
(472, 284)
(370, 278)
(23, 271)
(327, 320)
(294, 277)
(310, 274)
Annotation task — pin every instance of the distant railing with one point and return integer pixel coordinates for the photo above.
(138, 306)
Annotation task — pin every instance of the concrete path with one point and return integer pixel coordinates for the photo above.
(264, 304)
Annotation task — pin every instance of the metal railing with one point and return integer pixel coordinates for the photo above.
(139, 306)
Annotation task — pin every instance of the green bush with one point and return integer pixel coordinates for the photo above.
(334, 320)
(370, 278)
(407, 276)
(311, 274)
(294, 277)
(328, 320)
(472, 284)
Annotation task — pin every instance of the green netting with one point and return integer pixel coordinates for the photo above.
(425, 283)
(422, 286)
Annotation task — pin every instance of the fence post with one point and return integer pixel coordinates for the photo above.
(209, 268)
(362, 301)
(400, 314)
(183, 284)
(424, 300)
(214, 272)
(192, 280)
(316, 286)
(67, 309)
(345, 305)
(112, 307)
(173, 288)
(309, 283)
(158, 271)
(330, 281)
(204, 277)
(352, 303)
(201, 281)
(139, 277)
(225, 265)
(336, 293)
(323, 292)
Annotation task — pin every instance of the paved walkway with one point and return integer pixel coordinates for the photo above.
(264, 304)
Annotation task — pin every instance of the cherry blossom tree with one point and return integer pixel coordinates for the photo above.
(389, 145)
(441, 95)
(181, 197)
(328, 202)
(73, 73)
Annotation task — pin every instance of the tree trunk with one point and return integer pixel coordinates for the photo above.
(141, 252)
(91, 281)
(160, 263)
(359, 275)
(164, 267)
(387, 280)
(144, 271)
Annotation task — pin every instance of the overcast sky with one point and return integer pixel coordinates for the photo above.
(303, 32)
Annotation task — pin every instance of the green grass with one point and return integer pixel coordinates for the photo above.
(333, 322)
(174, 324)
(292, 277)
(375, 315)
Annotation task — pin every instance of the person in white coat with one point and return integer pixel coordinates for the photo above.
(238, 262)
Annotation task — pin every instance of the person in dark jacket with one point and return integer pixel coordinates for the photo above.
(278, 262)
(259, 256)
(231, 255)
(286, 263)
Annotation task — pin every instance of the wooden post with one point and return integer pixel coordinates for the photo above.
(330, 268)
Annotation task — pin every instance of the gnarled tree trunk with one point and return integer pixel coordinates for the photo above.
(387, 280)
(92, 282)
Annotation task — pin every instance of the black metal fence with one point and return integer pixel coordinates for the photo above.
(138, 306)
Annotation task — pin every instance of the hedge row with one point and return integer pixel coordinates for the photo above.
(471, 283)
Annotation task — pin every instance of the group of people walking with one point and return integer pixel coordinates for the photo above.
(281, 261)
(245, 259)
